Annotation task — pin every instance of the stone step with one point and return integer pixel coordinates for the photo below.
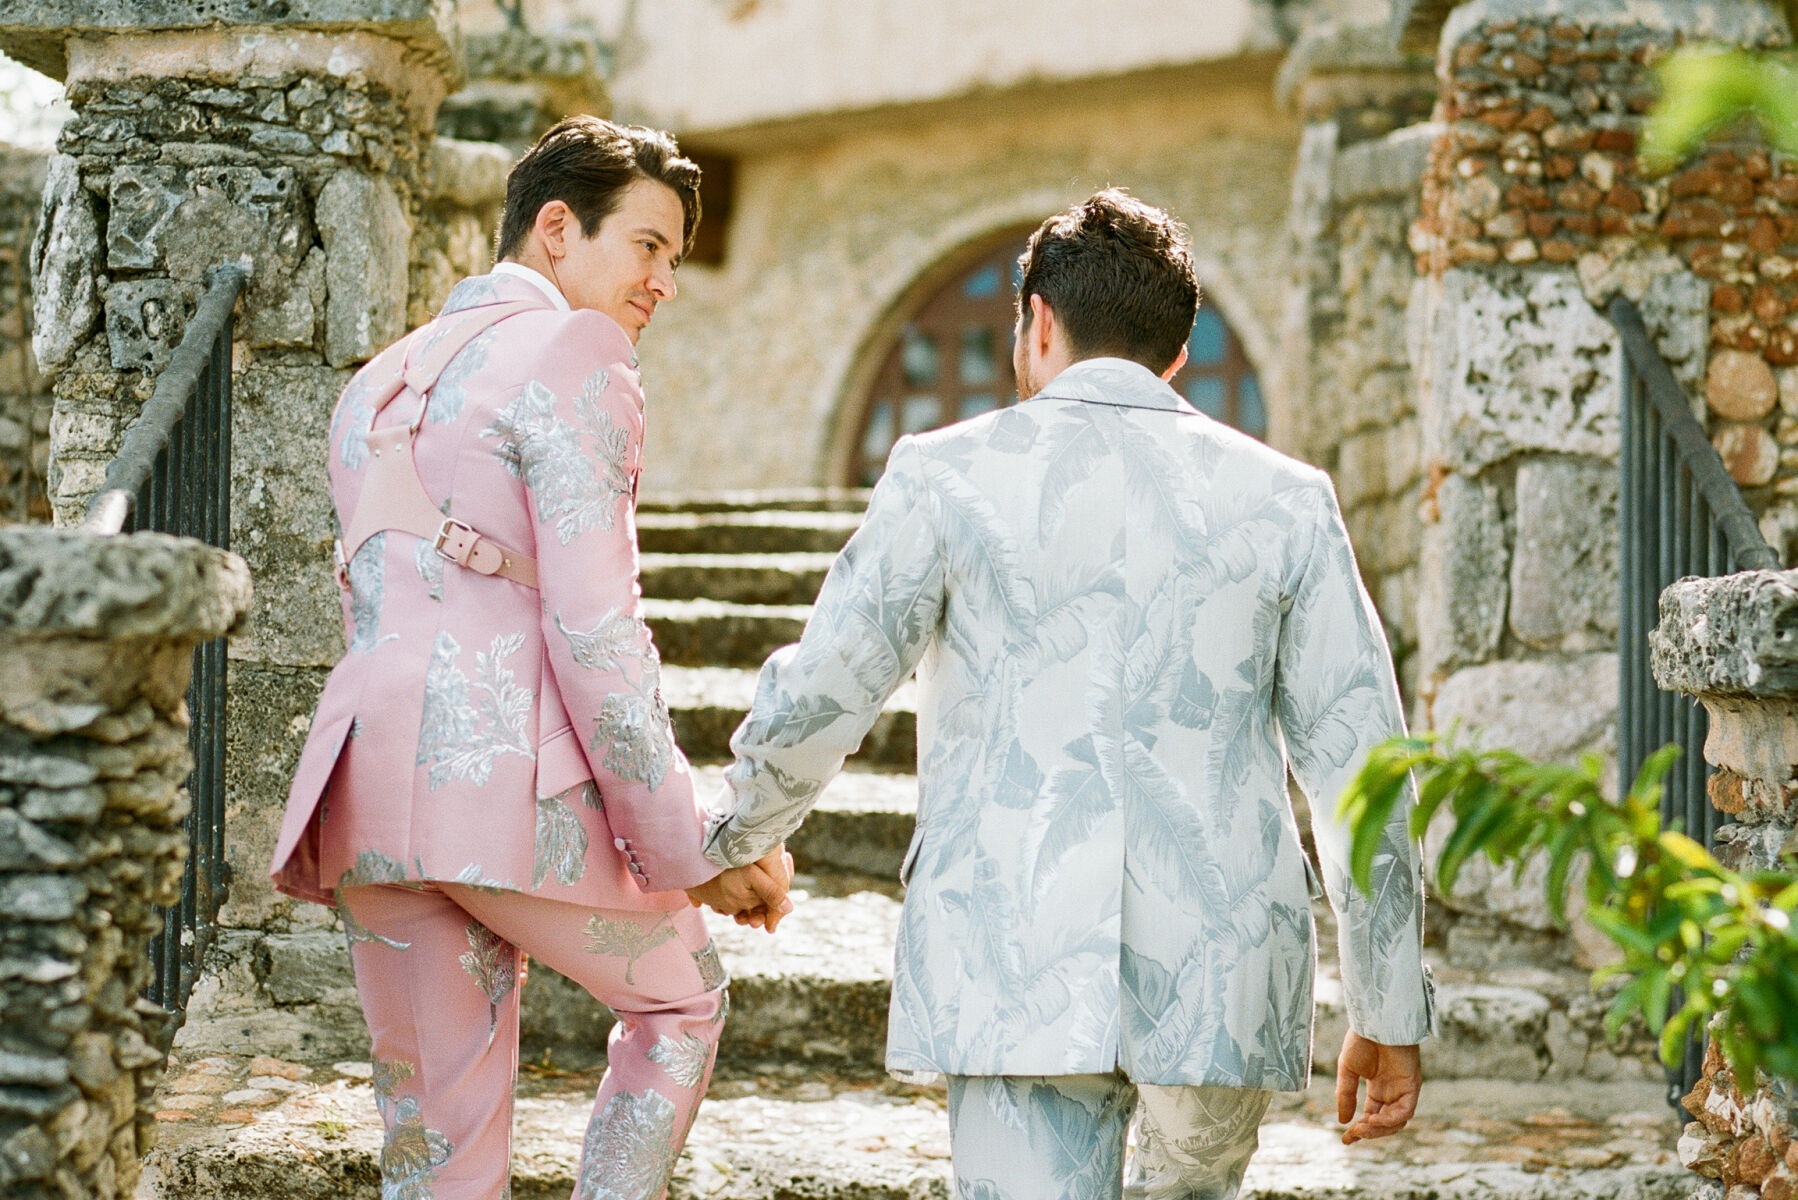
(825, 499)
(861, 824)
(709, 633)
(754, 532)
(817, 992)
(316, 1136)
(735, 578)
(708, 703)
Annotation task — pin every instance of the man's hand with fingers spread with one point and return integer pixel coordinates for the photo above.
(1394, 1077)
(755, 894)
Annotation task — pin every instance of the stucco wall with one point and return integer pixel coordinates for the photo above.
(748, 369)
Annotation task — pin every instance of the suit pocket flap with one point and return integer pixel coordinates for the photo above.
(561, 764)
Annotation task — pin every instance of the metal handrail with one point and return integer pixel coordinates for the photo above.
(1737, 523)
(148, 435)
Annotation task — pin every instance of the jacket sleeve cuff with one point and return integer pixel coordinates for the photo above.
(1398, 1025)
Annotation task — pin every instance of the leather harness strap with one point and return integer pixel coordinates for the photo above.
(393, 496)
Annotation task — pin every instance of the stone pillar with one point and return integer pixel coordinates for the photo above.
(1534, 213)
(293, 136)
(1355, 197)
(96, 647)
(1730, 643)
(24, 405)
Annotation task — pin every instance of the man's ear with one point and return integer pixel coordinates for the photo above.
(554, 224)
(1179, 361)
(1042, 324)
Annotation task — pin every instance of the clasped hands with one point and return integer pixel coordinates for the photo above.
(755, 894)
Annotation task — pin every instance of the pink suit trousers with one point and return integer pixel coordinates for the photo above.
(437, 971)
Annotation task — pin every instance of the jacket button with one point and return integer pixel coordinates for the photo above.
(619, 844)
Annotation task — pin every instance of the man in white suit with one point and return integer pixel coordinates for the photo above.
(1128, 621)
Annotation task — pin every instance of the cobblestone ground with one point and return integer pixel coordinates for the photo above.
(260, 1126)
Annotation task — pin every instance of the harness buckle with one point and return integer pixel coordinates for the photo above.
(340, 569)
(443, 533)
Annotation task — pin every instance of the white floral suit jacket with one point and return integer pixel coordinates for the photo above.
(1127, 621)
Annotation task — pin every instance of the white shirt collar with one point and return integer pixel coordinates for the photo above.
(536, 278)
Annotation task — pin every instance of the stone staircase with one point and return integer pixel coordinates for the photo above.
(1526, 1099)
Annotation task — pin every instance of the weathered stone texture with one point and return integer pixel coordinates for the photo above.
(1351, 397)
(24, 399)
(1564, 563)
(95, 653)
(367, 240)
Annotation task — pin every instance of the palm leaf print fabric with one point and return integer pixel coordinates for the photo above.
(1125, 619)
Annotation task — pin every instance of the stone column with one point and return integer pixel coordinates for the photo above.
(1534, 213)
(24, 406)
(292, 136)
(1349, 402)
(1731, 643)
(96, 647)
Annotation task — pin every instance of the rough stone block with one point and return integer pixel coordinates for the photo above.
(281, 515)
(290, 321)
(1463, 575)
(307, 967)
(144, 321)
(65, 257)
(367, 239)
(1739, 385)
(1517, 361)
(1520, 360)
(271, 710)
(1564, 564)
(140, 202)
(1551, 709)
(41, 897)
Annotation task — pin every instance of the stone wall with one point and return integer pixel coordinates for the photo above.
(1532, 218)
(1724, 641)
(24, 403)
(302, 149)
(1538, 166)
(96, 647)
(756, 371)
(1346, 376)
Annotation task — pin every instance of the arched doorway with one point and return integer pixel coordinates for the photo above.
(951, 360)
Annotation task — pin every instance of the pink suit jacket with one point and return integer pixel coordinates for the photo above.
(477, 730)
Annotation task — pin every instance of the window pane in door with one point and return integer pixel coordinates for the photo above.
(920, 412)
(1207, 395)
(1251, 413)
(1206, 345)
(979, 356)
(917, 359)
(983, 284)
(975, 403)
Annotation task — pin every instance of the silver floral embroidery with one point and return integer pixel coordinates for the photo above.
(617, 637)
(561, 847)
(630, 1148)
(635, 734)
(472, 876)
(627, 939)
(492, 962)
(388, 1075)
(712, 974)
(449, 395)
(353, 419)
(368, 586)
(577, 471)
(683, 1061)
(459, 737)
(411, 1155)
(371, 867)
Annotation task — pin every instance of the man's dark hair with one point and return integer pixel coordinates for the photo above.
(587, 163)
(1118, 274)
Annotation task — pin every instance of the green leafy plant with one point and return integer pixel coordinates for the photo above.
(1707, 87)
(1702, 946)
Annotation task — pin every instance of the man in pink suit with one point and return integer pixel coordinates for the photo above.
(491, 771)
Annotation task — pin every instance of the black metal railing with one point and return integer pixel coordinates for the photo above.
(173, 475)
(1681, 515)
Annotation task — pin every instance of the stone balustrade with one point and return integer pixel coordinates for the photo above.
(96, 648)
(1733, 643)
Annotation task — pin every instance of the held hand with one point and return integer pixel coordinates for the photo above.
(755, 894)
(1394, 1077)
